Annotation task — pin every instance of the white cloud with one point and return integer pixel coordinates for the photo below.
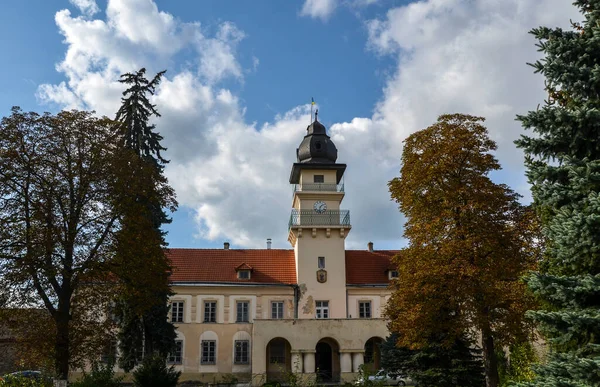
(87, 7)
(318, 9)
(453, 56)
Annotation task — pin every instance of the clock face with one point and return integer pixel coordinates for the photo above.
(320, 207)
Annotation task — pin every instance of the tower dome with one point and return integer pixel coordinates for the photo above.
(316, 147)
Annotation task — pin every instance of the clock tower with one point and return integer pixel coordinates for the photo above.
(318, 226)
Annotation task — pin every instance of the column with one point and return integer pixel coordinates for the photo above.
(345, 362)
(296, 362)
(358, 360)
(309, 362)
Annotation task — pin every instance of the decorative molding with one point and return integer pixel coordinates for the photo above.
(314, 232)
(328, 232)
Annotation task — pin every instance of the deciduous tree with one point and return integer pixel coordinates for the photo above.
(57, 224)
(469, 243)
(563, 167)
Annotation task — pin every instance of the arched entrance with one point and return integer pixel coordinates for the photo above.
(373, 353)
(279, 359)
(327, 360)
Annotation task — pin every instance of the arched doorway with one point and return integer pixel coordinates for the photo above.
(279, 359)
(327, 360)
(373, 353)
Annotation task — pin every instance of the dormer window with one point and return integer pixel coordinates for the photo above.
(244, 271)
(393, 274)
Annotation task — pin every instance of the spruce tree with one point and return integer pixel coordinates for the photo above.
(563, 167)
(142, 194)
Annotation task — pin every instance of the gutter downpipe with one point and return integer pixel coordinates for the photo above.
(347, 302)
(296, 299)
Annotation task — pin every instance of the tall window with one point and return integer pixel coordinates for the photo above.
(210, 311)
(176, 356)
(319, 179)
(177, 311)
(364, 309)
(322, 309)
(242, 311)
(277, 309)
(209, 348)
(242, 351)
(321, 262)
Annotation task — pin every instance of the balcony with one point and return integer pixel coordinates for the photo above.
(309, 218)
(318, 187)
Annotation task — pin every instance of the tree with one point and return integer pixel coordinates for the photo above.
(563, 167)
(468, 239)
(143, 193)
(57, 225)
(459, 364)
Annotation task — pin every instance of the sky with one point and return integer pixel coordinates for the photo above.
(235, 100)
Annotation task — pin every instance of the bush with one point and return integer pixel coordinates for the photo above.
(17, 381)
(102, 375)
(154, 373)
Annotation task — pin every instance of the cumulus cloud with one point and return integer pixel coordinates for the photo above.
(87, 7)
(452, 56)
(318, 9)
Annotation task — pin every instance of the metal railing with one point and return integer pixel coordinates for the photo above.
(320, 187)
(312, 218)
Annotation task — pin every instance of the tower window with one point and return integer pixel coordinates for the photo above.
(322, 309)
(319, 178)
(321, 262)
(318, 145)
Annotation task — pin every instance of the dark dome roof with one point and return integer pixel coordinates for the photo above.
(316, 147)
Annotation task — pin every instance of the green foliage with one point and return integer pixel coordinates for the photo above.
(154, 372)
(457, 365)
(516, 366)
(364, 372)
(18, 381)
(563, 166)
(102, 375)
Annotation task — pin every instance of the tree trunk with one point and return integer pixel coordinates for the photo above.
(62, 344)
(489, 359)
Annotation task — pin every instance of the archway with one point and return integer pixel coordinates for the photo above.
(327, 360)
(279, 359)
(373, 353)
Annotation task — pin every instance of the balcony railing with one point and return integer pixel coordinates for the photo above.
(308, 218)
(321, 187)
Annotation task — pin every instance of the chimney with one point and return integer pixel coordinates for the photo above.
(268, 243)
(226, 245)
(370, 244)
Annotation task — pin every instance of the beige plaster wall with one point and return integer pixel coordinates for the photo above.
(309, 248)
(307, 176)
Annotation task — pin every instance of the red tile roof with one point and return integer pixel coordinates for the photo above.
(364, 267)
(270, 265)
(218, 265)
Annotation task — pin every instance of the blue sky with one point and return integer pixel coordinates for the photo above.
(240, 77)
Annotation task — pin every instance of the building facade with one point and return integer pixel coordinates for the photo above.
(314, 310)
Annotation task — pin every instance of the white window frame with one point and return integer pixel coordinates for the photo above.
(322, 309)
(365, 309)
(391, 274)
(237, 311)
(177, 311)
(240, 344)
(277, 310)
(244, 274)
(173, 358)
(207, 360)
(212, 313)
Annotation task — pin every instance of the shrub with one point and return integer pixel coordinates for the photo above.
(154, 373)
(102, 375)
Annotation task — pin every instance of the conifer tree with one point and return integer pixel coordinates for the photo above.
(141, 195)
(563, 167)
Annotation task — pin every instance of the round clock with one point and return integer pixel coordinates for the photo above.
(320, 207)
